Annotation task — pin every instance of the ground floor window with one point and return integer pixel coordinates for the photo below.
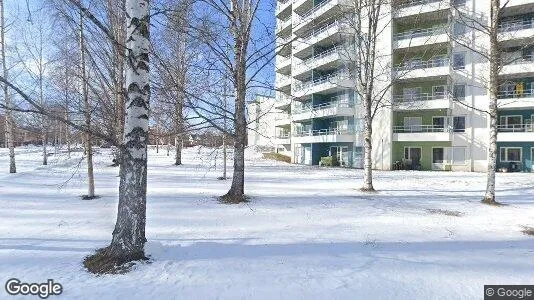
(413, 153)
(511, 154)
(438, 155)
(449, 155)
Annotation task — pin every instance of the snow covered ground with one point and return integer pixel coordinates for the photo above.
(307, 234)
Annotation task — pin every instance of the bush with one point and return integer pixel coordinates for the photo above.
(277, 156)
(329, 161)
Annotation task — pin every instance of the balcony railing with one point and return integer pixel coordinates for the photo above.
(321, 132)
(420, 128)
(334, 77)
(323, 106)
(321, 55)
(515, 94)
(516, 25)
(516, 128)
(421, 97)
(415, 3)
(521, 60)
(317, 31)
(281, 117)
(415, 33)
(283, 135)
(423, 64)
(314, 9)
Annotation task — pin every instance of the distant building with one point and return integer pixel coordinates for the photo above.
(261, 118)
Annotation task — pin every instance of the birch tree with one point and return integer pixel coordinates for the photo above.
(9, 126)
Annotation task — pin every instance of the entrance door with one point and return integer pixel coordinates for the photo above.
(438, 158)
(307, 156)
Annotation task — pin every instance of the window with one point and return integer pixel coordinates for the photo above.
(507, 89)
(358, 125)
(511, 121)
(459, 29)
(439, 91)
(458, 155)
(413, 153)
(459, 92)
(438, 124)
(412, 94)
(415, 63)
(458, 61)
(413, 124)
(458, 124)
(438, 155)
(511, 154)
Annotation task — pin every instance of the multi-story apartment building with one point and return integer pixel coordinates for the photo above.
(439, 94)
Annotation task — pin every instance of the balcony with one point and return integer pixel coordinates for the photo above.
(283, 139)
(283, 45)
(283, 65)
(421, 37)
(436, 67)
(329, 83)
(283, 82)
(418, 7)
(508, 100)
(519, 66)
(332, 135)
(282, 101)
(317, 35)
(282, 25)
(282, 119)
(516, 30)
(282, 7)
(320, 12)
(422, 101)
(321, 59)
(421, 133)
(515, 133)
(324, 110)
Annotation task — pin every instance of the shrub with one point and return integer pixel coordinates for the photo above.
(277, 156)
(329, 161)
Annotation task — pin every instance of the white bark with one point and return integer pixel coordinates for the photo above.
(87, 113)
(494, 61)
(129, 234)
(10, 132)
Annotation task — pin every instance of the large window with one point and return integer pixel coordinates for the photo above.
(459, 92)
(413, 124)
(438, 123)
(511, 121)
(458, 124)
(412, 94)
(438, 155)
(439, 91)
(413, 153)
(511, 154)
(458, 61)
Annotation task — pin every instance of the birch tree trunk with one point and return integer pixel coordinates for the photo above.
(494, 61)
(128, 239)
(368, 146)
(10, 132)
(87, 113)
(179, 126)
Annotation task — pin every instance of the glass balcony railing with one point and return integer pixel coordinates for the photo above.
(314, 9)
(420, 128)
(421, 97)
(529, 127)
(423, 64)
(319, 30)
(415, 3)
(425, 32)
(323, 106)
(321, 132)
(516, 94)
(330, 52)
(332, 78)
(516, 25)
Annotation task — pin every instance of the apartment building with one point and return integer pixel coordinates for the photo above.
(261, 116)
(438, 92)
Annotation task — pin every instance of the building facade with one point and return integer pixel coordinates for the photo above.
(261, 116)
(434, 114)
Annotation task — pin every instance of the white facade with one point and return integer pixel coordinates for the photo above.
(261, 117)
(434, 116)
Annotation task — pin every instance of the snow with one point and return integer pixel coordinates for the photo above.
(308, 232)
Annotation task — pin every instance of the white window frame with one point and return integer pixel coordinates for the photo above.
(409, 151)
(408, 126)
(506, 119)
(506, 154)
